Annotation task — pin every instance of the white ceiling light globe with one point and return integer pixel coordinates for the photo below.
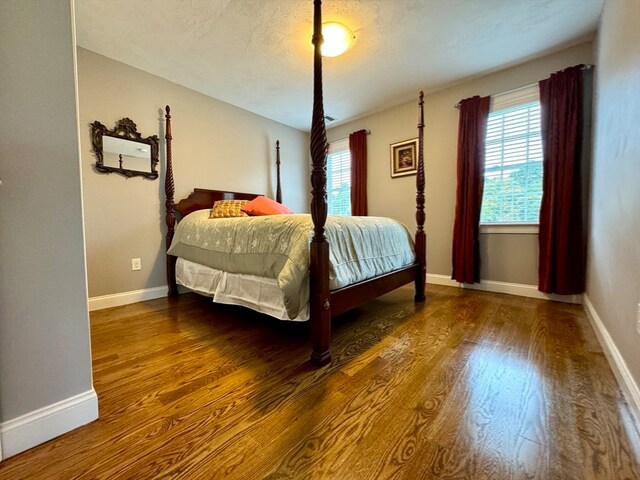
(337, 39)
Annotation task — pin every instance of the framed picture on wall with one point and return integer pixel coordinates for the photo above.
(404, 158)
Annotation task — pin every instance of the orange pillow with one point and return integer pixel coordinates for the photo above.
(265, 206)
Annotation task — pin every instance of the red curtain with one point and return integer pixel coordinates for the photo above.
(358, 148)
(472, 128)
(562, 233)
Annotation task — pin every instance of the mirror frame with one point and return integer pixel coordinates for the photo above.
(125, 129)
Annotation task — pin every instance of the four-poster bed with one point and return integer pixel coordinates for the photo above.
(324, 303)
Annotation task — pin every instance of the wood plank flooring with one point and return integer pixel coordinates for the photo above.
(467, 385)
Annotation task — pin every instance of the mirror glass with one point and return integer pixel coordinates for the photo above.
(126, 154)
(123, 150)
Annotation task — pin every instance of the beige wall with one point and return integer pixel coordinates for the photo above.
(215, 145)
(505, 257)
(44, 324)
(613, 261)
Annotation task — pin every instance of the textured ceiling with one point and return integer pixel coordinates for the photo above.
(256, 54)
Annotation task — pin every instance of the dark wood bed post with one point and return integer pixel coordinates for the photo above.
(169, 190)
(278, 188)
(319, 261)
(421, 237)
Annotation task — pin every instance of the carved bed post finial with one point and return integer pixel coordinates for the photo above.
(319, 260)
(169, 190)
(421, 238)
(278, 187)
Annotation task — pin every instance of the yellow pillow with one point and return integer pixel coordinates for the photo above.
(228, 209)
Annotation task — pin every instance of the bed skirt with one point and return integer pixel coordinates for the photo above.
(257, 293)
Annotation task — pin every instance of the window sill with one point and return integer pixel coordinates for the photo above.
(509, 228)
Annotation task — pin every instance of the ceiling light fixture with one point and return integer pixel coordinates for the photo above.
(337, 39)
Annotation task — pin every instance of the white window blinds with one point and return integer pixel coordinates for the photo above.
(513, 159)
(339, 178)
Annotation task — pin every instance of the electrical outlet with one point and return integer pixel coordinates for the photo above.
(136, 264)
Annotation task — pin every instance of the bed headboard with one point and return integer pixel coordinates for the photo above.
(202, 198)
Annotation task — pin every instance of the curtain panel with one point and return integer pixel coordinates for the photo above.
(472, 128)
(358, 149)
(562, 232)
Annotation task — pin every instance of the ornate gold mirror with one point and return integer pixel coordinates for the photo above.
(123, 150)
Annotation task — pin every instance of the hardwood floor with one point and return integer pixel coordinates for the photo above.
(468, 385)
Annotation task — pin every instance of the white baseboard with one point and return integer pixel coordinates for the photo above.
(616, 361)
(519, 289)
(445, 280)
(125, 298)
(48, 422)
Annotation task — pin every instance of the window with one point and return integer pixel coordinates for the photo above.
(339, 178)
(513, 159)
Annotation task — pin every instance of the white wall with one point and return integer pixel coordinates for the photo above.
(505, 257)
(613, 273)
(215, 145)
(44, 326)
